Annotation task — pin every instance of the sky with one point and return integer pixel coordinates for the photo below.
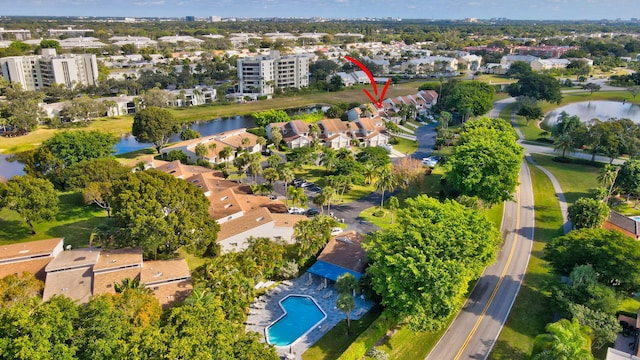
(407, 9)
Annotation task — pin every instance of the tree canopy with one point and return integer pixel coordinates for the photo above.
(613, 255)
(422, 266)
(486, 161)
(469, 98)
(588, 213)
(154, 125)
(264, 118)
(32, 198)
(161, 213)
(539, 86)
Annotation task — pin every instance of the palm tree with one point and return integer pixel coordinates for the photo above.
(328, 194)
(213, 146)
(563, 143)
(607, 177)
(393, 204)
(270, 175)
(256, 168)
(225, 154)
(314, 132)
(387, 181)
(276, 136)
(346, 284)
(128, 283)
(274, 160)
(262, 142)
(296, 195)
(245, 143)
(329, 158)
(346, 303)
(565, 340)
(201, 150)
(369, 172)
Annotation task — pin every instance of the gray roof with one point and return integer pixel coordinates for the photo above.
(624, 223)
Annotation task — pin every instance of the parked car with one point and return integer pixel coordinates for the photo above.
(296, 210)
(306, 185)
(431, 161)
(272, 197)
(298, 181)
(312, 212)
(336, 230)
(314, 188)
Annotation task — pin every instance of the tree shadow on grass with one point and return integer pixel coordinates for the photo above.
(13, 230)
(78, 233)
(504, 351)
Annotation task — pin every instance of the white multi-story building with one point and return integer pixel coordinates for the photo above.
(20, 34)
(39, 71)
(260, 75)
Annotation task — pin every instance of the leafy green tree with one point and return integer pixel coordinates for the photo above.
(605, 326)
(373, 154)
(435, 248)
(530, 112)
(519, 69)
(157, 98)
(473, 97)
(50, 44)
(154, 125)
(43, 164)
(586, 290)
(539, 86)
(188, 134)
(346, 284)
(613, 255)
(32, 198)
(95, 178)
(268, 255)
(486, 162)
(19, 288)
(84, 108)
(270, 175)
(588, 213)
(296, 195)
(267, 117)
(160, 213)
(627, 178)
(22, 109)
(564, 340)
(179, 155)
(591, 87)
(393, 205)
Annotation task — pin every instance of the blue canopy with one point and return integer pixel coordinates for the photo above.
(331, 271)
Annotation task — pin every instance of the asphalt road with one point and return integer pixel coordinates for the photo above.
(476, 327)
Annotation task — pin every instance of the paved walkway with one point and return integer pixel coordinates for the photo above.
(266, 309)
(405, 128)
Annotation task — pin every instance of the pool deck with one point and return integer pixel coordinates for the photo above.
(266, 309)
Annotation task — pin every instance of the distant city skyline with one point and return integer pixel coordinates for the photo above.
(406, 9)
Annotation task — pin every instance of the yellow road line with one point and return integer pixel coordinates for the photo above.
(495, 290)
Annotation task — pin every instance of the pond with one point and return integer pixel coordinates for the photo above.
(128, 143)
(600, 109)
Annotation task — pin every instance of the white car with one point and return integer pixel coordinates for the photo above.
(296, 210)
(336, 230)
(431, 161)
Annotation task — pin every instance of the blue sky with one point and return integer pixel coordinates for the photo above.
(423, 9)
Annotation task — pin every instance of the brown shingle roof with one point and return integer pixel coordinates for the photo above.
(346, 251)
(76, 258)
(118, 259)
(287, 220)
(25, 250)
(223, 203)
(103, 282)
(156, 272)
(75, 284)
(169, 293)
(333, 125)
(299, 126)
(257, 217)
(624, 223)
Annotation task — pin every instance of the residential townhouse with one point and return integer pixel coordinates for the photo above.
(199, 95)
(295, 133)
(334, 133)
(549, 64)
(231, 138)
(507, 60)
(239, 213)
(428, 64)
(71, 274)
(30, 257)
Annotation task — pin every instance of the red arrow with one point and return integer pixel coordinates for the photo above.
(377, 102)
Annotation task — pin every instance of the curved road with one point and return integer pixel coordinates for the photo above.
(476, 327)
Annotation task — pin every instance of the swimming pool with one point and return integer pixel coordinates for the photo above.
(301, 315)
(636, 218)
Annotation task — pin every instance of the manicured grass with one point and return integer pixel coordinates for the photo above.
(383, 222)
(193, 261)
(406, 146)
(627, 208)
(575, 179)
(336, 341)
(115, 125)
(75, 222)
(495, 214)
(316, 174)
(495, 79)
(629, 305)
(407, 344)
(532, 309)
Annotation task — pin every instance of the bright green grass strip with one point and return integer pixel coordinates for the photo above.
(575, 179)
(74, 222)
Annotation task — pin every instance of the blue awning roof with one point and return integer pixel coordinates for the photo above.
(330, 271)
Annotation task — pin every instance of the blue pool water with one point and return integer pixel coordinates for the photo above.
(636, 218)
(301, 314)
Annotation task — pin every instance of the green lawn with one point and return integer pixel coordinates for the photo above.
(531, 310)
(575, 179)
(336, 341)
(75, 223)
(406, 146)
(316, 174)
(383, 222)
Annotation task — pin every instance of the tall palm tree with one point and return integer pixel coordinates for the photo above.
(262, 142)
(296, 195)
(201, 150)
(245, 143)
(213, 146)
(563, 143)
(225, 154)
(286, 175)
(387, 181)
(329, 158)
(328, 194)
(607, 177)
(369, 172)
(346, 303)
(314, 132)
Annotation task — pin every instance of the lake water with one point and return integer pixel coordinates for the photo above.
(600, 109)
(128, 143)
